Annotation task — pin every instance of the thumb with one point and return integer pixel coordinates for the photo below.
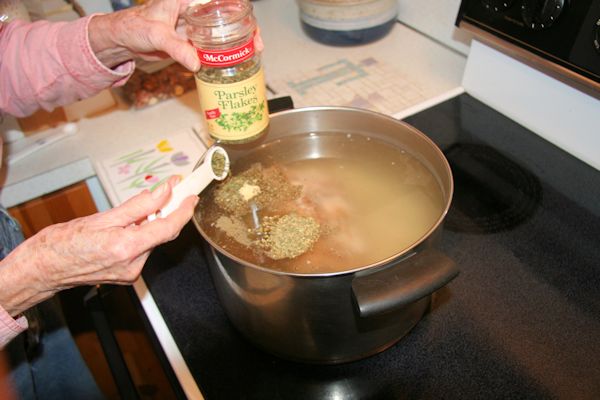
(140, 206)
(181, 51)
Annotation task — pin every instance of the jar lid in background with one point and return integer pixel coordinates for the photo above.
(347, 15)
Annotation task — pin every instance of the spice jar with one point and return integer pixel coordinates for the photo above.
(230, 81)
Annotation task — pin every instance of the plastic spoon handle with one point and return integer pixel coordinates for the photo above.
(192, 184)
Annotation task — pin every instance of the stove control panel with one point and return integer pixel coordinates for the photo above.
(565, 33)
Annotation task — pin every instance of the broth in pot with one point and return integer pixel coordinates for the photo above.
(322, 203)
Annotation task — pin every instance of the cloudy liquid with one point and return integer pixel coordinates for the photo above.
(373, 201)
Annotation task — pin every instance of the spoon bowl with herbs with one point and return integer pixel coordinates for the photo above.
(213, 165)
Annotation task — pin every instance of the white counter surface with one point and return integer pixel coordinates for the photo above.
(432, 67)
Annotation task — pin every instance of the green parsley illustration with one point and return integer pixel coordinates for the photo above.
(239, 121)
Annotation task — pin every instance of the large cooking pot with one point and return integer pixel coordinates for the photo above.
(342, 316)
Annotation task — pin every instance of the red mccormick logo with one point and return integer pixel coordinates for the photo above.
(226, 58)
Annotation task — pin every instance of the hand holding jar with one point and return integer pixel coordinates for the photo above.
(152, 31)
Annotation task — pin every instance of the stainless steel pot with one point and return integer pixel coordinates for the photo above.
(345, 316)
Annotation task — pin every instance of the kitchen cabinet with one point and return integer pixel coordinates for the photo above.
(63, 205)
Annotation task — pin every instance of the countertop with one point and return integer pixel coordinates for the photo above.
(427, 65)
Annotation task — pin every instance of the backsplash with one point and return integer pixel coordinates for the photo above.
(435, 18)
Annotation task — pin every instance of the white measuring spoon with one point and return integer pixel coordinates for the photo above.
(194, 183)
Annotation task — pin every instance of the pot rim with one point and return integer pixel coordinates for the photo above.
(376, 264)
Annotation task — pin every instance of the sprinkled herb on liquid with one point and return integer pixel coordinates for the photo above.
(288, 236)
(283, 233)
(273, 187)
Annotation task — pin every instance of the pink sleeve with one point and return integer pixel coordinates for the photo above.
(10, 327)
(44, 64)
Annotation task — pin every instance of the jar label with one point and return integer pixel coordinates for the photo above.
(228, 57)
(235, 111)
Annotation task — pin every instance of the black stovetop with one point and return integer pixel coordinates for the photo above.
(522, 320)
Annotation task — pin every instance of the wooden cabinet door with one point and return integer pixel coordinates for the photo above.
(60, 206)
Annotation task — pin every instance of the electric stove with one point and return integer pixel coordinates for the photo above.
(522, 320)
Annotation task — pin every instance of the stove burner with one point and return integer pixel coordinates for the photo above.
(491, 192)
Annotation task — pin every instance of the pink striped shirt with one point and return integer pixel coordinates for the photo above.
(45, 65)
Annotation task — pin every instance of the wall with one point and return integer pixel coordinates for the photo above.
(435, 18)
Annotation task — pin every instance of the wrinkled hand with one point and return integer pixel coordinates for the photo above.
(151, 31)
(147, 31)
(112, 247)
(108, 247)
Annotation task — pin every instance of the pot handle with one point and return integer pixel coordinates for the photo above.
(406, 282)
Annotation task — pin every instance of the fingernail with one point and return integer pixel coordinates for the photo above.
(194, 61)
(196, 200)
(159, 191)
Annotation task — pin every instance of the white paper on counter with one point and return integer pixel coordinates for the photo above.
(148, 165)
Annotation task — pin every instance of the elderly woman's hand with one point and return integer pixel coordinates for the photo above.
(108, 247)
(150, 31)
(145, 31)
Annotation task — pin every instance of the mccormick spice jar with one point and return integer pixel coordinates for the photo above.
(230, 81)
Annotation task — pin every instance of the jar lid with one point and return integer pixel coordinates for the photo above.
(219, 21)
